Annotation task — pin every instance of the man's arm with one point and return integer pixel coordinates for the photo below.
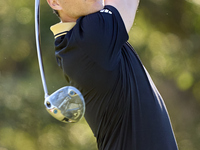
(127, 10)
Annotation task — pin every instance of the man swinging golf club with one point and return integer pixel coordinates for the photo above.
(123, 107)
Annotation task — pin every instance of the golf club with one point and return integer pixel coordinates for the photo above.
(67, 103)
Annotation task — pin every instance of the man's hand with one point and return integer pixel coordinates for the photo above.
(127, 10)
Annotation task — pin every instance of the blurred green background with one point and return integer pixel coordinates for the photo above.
(166, 35)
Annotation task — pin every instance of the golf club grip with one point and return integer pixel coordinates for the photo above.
(37, 35)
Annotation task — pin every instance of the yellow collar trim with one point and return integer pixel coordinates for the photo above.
(61, 28)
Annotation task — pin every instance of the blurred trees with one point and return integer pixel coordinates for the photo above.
(166, 35)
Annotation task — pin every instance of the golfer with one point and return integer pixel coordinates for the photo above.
(123, 107)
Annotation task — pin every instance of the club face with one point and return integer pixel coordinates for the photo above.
(66, 104)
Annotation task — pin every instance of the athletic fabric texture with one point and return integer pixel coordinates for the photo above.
(123, 107)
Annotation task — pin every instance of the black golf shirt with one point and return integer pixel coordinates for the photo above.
(123, 107)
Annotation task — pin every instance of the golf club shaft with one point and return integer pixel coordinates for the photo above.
(37, 34)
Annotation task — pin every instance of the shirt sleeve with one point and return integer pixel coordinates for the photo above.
(101, 35)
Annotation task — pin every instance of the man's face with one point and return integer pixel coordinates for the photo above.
(76, 8)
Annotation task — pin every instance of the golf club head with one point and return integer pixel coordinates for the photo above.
(66, 104)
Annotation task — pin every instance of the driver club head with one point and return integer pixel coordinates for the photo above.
(66, 104)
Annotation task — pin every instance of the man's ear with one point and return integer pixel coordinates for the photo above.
(54, 4)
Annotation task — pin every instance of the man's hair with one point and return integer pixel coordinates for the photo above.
(56, 12)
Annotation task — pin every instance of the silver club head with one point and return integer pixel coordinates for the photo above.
(66, 104)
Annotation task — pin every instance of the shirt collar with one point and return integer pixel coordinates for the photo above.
(62, 28)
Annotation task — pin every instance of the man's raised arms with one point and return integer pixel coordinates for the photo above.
(127, 10)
